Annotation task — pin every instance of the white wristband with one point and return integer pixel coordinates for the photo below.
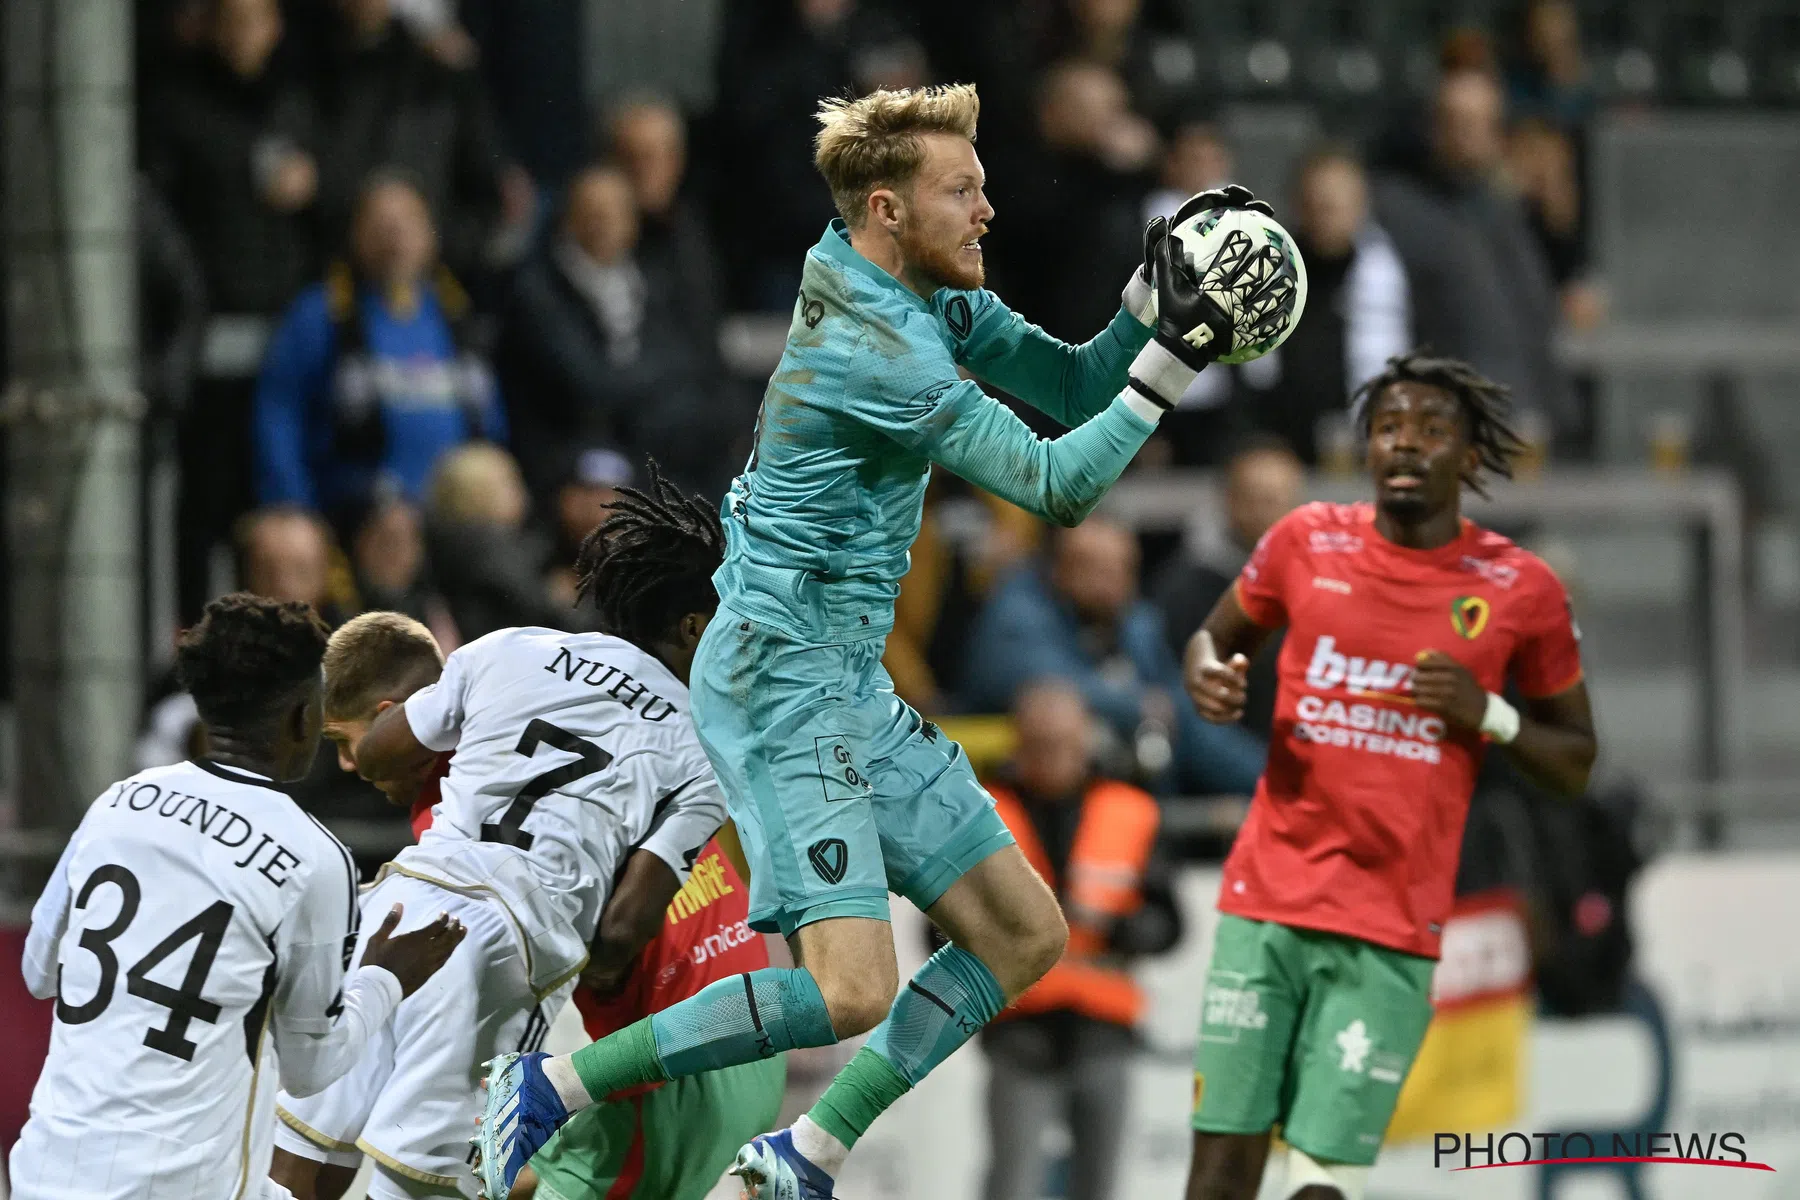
(1501, 721)
(1142, 405)
(1161, 372)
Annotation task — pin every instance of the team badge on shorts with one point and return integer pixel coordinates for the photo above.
(830, 858)
(1469, 616)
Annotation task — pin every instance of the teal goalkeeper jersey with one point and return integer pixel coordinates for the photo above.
(866, 397)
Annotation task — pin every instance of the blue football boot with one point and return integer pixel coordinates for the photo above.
(773, 1170)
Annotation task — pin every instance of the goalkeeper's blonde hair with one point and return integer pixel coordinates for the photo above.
(873, 141)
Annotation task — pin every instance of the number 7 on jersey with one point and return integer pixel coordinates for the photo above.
(591, 759)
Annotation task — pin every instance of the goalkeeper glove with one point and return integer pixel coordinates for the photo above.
(1139, 297)
(1232, 195)
(1191, 331)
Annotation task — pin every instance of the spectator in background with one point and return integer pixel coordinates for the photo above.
(171, 305)
(1548, 78)
(1060, 1054)
(1091, 175)
(1551, 96)
(586, 492)
(384, 101)
(1263, 483)
(225, 137)
(440, 32)
(1542, 162)
(283, 553)
(226, 144)
(1083, 621)
(1112, 34)
(367, 382)
(946, 582)
(1197, 158)
(531, 60)
(649, 143)
(783, 58)
(290, 554)
(287, 554)
(597, 346)
(1481, 288)
(387, 554)
(169, 33)
(489, 564)
(1357, 308)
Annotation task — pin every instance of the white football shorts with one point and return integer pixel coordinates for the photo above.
(411, 1103)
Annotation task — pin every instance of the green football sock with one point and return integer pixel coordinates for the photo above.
(619, 1060)
(866, 1087)
(952, 996)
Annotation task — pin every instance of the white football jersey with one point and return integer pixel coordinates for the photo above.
(571, 750)
(195, 910)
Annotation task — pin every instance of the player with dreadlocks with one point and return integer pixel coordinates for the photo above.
(645, 570)
(1405, 622)
(578, 809)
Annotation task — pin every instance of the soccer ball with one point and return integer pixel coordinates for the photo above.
(1251, 268)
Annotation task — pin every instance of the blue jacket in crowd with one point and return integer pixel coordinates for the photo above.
(354, 393)
(1027, 633)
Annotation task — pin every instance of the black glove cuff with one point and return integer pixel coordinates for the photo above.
(1149, 393)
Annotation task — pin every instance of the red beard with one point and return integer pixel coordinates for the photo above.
(945, 268)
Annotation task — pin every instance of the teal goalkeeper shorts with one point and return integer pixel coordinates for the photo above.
(840, 791)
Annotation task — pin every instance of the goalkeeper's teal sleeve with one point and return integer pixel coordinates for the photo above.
(1066, 383)
(962, 428)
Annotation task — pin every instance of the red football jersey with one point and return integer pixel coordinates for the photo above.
(427, 798)
(706, 934)
(1357, 823)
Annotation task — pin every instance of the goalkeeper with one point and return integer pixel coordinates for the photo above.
(840, 791)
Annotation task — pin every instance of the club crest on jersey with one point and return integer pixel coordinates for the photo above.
(958, 317)
(1469, 616)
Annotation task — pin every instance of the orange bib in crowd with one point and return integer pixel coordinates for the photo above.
(1104, 882)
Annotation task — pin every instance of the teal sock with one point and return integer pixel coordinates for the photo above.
(731, 1021)
(943, 1006)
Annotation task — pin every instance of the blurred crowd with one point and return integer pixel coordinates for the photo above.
(414, 307)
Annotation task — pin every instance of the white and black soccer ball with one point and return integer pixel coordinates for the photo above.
(1252, 269)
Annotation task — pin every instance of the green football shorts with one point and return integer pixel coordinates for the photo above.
(840, 792)
(1310, 1031)
(674, 1143)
